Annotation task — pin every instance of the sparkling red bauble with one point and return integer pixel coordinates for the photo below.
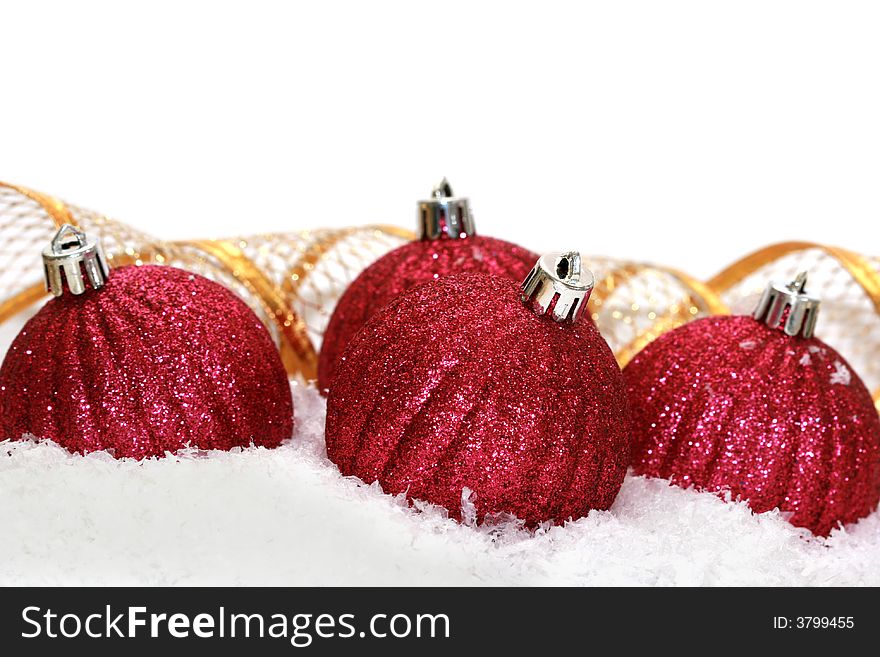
(156, 360)
(458, 385)
(412, 264)
(730, 404)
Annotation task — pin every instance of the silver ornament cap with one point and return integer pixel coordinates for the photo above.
(558, 286)
(789, 307)
(73, 256)
(444, 215)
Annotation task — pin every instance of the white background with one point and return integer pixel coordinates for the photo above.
(685, 133)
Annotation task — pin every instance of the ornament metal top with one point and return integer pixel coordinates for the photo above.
(789, 307)
(72, 256)
(558, 286)
(444, 215)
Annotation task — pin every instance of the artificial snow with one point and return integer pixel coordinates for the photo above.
(287, 517)
(841, 374)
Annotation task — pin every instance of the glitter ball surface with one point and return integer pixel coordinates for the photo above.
(156, 360)
(402, 269)
(729, 404)
(459, 395)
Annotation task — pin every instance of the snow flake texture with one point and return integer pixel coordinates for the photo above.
(286, 516)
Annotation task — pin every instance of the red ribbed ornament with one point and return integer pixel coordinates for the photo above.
(448, 245)
(154, 359)
(758, 407)
(460, 390)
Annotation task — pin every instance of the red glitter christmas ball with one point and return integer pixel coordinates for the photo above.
(459, 386)
(737, 404)
(446, 247)
(155, 360)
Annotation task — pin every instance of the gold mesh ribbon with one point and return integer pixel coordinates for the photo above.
(634, 303)
(293, 280)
